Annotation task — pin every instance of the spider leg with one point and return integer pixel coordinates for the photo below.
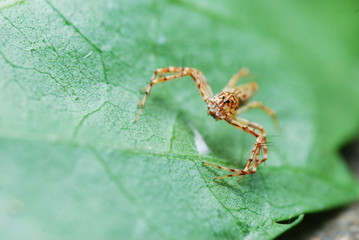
(236, 174)
(261, 106)
(161, 75)
(257, 131)
(154, 81)
(265, 153)
(178, 72)
(224, 168)
(260, 144)
(254, 154)
(233, 81)
(257, 154)
(237, 171)
(248, 166)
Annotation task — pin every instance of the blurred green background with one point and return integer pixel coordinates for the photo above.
(75, 166)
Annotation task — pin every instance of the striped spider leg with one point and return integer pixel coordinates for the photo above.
(196, 75)
(231, 101)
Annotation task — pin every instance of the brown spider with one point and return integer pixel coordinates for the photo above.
(230, 102)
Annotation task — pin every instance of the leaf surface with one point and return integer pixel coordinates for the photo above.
(75, 166)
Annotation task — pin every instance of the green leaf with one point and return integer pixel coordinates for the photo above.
(75, 166)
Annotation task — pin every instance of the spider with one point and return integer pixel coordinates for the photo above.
(231, 101)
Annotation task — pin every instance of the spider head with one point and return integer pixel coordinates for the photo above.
(223, 105)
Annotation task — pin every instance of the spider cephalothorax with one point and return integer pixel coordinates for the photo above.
(225, 105)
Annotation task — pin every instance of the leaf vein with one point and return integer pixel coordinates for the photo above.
(237, 220)
(86, 39)
(120, 187)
